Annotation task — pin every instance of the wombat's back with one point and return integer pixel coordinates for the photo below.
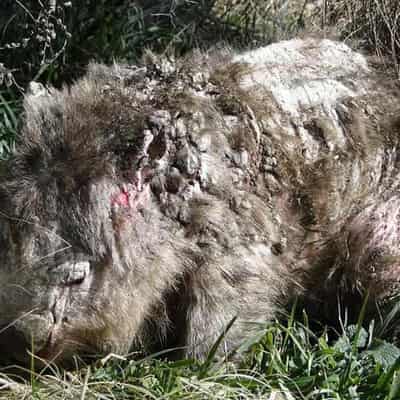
(334, 128)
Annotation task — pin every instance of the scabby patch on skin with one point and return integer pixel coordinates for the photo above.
(130, 197)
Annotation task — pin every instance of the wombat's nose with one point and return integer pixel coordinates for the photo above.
(13, 344)
(29, 333)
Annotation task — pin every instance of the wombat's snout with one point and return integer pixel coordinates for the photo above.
(30, 333)
(36, 331)
(13, 344)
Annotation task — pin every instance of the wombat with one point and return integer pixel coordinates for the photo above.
(148, 206)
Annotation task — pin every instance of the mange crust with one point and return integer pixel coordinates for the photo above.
(147, 206)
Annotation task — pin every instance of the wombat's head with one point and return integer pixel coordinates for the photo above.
(75, 227)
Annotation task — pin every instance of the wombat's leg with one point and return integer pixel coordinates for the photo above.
(362, 258)
(241, 285)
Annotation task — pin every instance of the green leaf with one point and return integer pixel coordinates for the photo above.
(205, 366)
(383, 353)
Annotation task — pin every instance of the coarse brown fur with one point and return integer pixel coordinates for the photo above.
(148, 206)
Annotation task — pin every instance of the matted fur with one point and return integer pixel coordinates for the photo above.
(148, 206)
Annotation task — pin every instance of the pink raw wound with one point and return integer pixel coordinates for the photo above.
(121, 199)
(131, 198)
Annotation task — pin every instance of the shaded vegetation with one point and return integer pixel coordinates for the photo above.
(374, 25)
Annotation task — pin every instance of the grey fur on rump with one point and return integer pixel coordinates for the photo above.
(147, 206)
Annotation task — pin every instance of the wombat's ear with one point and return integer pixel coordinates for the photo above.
(104, 74)
(36, 89)
(37, 96)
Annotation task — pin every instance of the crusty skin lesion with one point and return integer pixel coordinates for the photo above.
(148, 206)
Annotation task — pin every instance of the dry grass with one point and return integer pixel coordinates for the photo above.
(371, 24)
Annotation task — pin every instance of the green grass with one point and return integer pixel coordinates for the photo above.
(288, 362)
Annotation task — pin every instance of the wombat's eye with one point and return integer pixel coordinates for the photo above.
(70, 273)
